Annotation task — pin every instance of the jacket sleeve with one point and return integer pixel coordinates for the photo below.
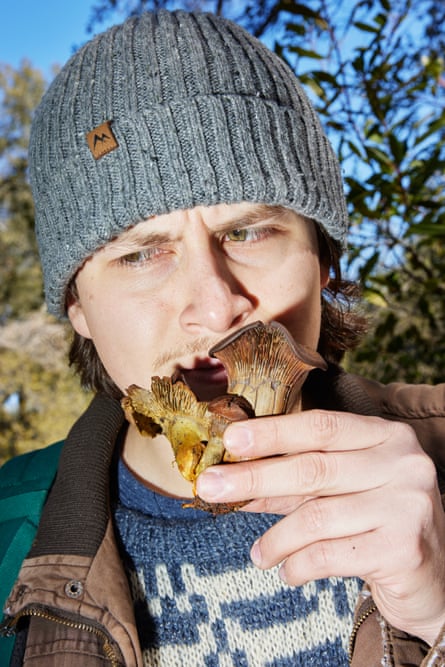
(375, 643)
(423, 407)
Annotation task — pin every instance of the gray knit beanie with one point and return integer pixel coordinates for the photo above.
(169, 111)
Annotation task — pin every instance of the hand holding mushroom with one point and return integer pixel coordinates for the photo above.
(266, 370)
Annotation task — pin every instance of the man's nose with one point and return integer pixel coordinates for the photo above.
(216, 302)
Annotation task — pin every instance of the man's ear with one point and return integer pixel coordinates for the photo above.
(324, 272)
(325, 257)
(77, 318)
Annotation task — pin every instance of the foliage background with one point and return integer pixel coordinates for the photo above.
(375, 71)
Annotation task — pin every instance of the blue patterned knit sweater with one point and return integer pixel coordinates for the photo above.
(199, 601)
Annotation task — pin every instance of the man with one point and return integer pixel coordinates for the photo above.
(184, 188)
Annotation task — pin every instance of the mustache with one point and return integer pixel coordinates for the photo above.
(197, 346)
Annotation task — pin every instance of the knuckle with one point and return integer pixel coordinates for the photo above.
(313, 517)
(325, 425)
(404, 432)
(416, 463)
(413, 547)
(413, 556)
(322, 557)
(421, 469)
(426, 471)
(269, 505)
(316, 472)
(422, 511)
(249, 481)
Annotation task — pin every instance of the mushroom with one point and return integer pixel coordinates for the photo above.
(266, 370)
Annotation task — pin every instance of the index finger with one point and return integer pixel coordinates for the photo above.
(309, 430)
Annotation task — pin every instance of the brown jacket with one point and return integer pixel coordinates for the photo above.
(72, 590)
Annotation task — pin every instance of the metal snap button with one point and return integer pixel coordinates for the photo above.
(74, 589)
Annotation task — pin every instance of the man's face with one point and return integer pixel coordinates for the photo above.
(155, 299)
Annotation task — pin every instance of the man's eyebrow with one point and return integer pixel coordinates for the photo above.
(258, 213)
(137, 238)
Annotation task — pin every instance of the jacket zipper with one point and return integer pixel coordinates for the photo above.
(356, 628)
(8, 629)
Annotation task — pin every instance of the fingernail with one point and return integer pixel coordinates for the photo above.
(255, 553)
(238, 440)
(211, 485)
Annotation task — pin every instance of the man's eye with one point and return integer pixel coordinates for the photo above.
(238, 235)
(140, 256)
(249, 234)
(243, 234)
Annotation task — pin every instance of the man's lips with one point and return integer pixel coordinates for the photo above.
(206, 376)
(205, 372)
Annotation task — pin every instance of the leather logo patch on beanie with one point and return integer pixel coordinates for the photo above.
(101, 140)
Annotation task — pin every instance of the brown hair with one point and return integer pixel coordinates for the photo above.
(342, 325)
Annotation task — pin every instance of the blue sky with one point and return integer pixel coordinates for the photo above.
(44, 31)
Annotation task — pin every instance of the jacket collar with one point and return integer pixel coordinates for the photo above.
(75, 516)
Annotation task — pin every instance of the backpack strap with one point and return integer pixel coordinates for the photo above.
(24, 485)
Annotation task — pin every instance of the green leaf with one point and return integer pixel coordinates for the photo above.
(366, 27)
(355, 149)
(379, 156)
(398, 147)
(326, 77)
(375, 298)
(427, 229)
(301, 10)
(305, 53)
